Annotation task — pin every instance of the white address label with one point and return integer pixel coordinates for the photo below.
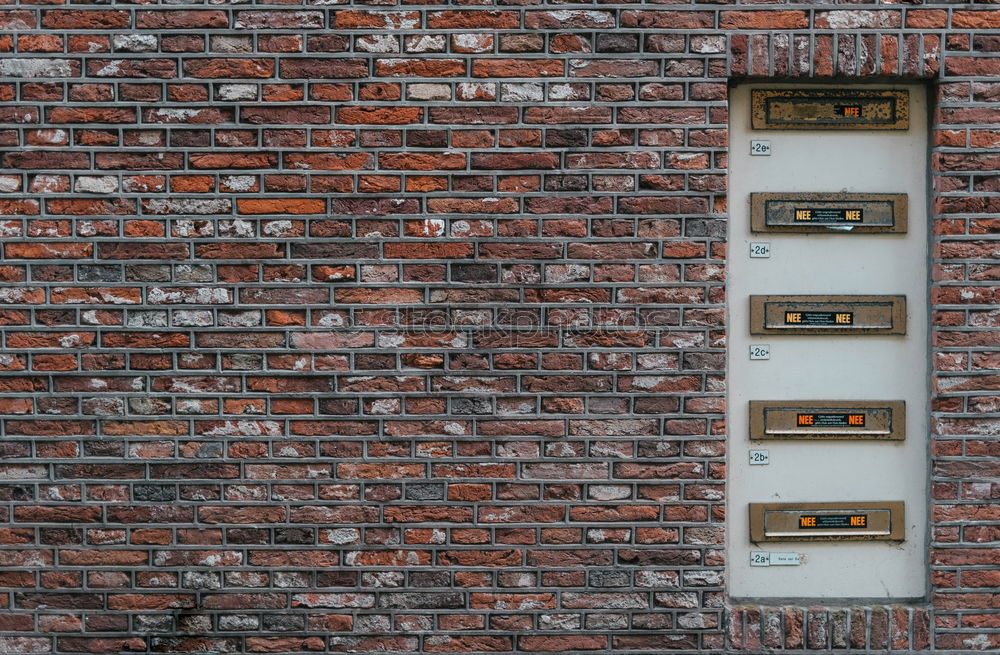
(760, 148)
(760, 457)
(760, 250)
(760, 351)
(764, 558)
(785, 559)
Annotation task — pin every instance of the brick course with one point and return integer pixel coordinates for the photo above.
(377, 327)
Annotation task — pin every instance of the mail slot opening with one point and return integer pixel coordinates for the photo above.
(841, 521)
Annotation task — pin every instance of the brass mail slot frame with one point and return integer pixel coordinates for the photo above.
(829, 109)
(783, 420)
(883, 521)
(876, 315)
(882, 213)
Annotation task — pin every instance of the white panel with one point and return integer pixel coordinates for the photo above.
(832, 368)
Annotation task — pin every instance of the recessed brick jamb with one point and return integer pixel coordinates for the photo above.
(363, 327)
(963, 556)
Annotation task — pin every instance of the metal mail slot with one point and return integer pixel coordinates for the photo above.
(828, 419)
(827, 521)
(829, 109)
(827, 315)
(845, 213)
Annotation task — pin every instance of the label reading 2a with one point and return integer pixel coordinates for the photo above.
(828, 215)
(819, 318)
(837, 521)
(764, 558)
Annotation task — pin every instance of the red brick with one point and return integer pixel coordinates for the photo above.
(221, 67)
(976, 19)
(84, 20)
(517, 68)
(476, 19)
(187, 19)
(375, 19)
(420, 67)
(281, 206)
(379, 115)
(763, 20)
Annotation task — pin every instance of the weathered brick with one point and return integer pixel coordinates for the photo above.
(85, 20)
(222, 67)
(332, 69)
(187, 19)
(383, 404)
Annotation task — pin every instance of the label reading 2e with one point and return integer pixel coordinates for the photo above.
(819, 318)
(834, 521)
(760, 148)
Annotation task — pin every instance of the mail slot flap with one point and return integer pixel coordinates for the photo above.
(829, 109)
(827, 315)
(828, 419)
(828, 521)
(842, 213)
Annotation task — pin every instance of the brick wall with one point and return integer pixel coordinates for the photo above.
(377, 327)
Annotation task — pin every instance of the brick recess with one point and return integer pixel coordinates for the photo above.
(379, 327)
